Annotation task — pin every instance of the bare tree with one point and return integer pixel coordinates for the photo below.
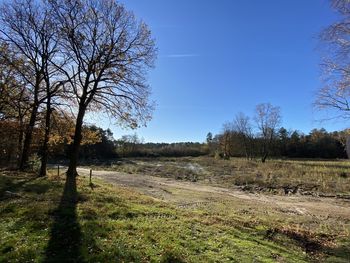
(226, 140)
(244, 128)
(129, 144)
(28, 30)
(52, 79)
(267, 118)
(14, 97)
(335, 94)
(108, 53)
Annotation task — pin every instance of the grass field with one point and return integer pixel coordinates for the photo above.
(50, 220)
(307, 177)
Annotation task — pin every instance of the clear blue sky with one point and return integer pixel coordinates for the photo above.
(217, 58)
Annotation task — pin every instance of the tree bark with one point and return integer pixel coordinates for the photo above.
(28, 139)
(44, 152)
(29, 131)
(74, 152)
(20, 141)
(265, 153)
(245, 143)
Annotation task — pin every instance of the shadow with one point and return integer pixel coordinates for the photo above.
(314, 246)
(65, 237)
(11, 185)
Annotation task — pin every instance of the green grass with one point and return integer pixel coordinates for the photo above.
(111, 224)
(274, 176)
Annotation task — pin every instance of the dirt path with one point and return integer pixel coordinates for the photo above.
(191, 195)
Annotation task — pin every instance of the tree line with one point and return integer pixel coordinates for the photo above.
(98, 145)
(252, 138)
(62, 59)
(262, 136)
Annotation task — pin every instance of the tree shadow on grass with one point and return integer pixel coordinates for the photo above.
(65, 237)
(15, 187)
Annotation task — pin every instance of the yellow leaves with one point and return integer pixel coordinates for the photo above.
(347, 132)
(90, 136)
(62, 132)
(56, 139)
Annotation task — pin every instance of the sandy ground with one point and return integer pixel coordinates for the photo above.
(189, 195)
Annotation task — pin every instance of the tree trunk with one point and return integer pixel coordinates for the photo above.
(28, 139)
(20, 141)
(44, 152)
(74, 151)
(245, 148)
(264, 153)
(347, 145)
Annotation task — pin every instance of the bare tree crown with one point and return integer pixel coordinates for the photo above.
(335, 93)
(107, 53)
(267, 118)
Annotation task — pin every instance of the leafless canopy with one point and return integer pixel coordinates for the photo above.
(242, 124)
(29, 31)
(107, 52)
(244, 128)
(335, 94)
(267, 118)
